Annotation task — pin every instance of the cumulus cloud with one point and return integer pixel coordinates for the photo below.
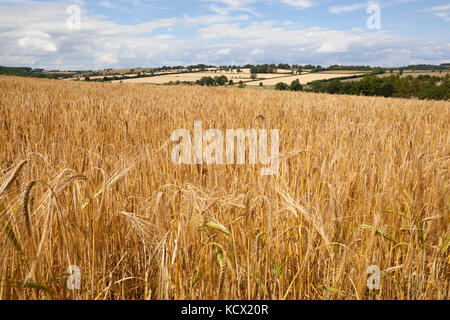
(109, 58)
(40, 38)
(36, 42)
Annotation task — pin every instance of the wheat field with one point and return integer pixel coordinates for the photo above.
(196, 76)
(304, 78)
(86, 179)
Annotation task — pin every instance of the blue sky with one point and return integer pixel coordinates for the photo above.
(146, 33)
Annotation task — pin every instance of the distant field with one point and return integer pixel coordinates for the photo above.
(268, 79)
(286, 71)
(122, 71)
(182, 75)
(416, 73)
(196, 76)
(101, 77)
(304, 78)
(347, 72)
(407, 73)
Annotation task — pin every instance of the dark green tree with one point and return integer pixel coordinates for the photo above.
(281, 86)
(296, 85)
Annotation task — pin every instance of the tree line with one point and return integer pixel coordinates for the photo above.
(205, 81)
(422, 87)
(29, 72)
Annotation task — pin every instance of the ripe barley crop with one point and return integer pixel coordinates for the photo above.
(86, 179)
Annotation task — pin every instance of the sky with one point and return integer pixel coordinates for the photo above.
(91, 35)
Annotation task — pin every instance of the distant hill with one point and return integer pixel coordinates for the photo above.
(30, 72)
(426, 67)
(14, 70)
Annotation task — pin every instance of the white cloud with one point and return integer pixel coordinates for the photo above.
(224, 51)
(257, 51)
(106, 4)
(338, 9)
(439, 8)
(347, 8)
(299, 3)
(228, 6)
(442, 12)
(36, 42)
(212, 19)
(40, 38)
(108, 58)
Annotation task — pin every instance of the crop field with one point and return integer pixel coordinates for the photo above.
(87, 180)
(417, 73)
(163, 79)
(346, 72)
(304, 78)
(244, 74)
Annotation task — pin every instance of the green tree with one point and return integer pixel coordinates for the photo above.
(220, 81)
(206, 81)
(296, 85)
(386, 90)
(281, 86)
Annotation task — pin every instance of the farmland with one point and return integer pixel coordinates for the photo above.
(268, 79)
(259, 76)
(141, 75)
(164, 79)
(417, 73)
(86, 179)
(304, 78)
(242, 75)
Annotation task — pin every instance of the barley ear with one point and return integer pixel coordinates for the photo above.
(26, 209)
(12, 178)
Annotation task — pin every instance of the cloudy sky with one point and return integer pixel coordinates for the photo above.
(82, 34)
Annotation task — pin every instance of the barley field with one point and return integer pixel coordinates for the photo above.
(86, 179)
(304, 78)
(163, 79)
